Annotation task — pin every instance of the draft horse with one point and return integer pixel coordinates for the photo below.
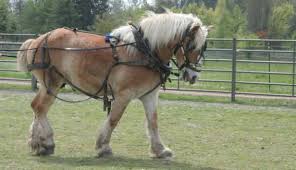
(132, 65)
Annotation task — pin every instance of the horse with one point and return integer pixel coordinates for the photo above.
(122, 70)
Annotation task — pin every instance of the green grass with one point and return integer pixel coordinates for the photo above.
(5, 86)
(18, 75)
(202, 135)
(11, 66)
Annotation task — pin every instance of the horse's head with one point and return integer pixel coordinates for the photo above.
(189, 53)
(190, 49)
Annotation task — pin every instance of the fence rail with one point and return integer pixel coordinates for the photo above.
(276, 61)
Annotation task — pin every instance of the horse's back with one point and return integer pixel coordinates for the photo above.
(65, 40)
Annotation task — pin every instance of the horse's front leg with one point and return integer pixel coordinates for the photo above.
(157, 147)
(118, 106)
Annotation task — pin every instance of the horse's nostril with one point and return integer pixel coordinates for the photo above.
(193, 80)
(185, 75)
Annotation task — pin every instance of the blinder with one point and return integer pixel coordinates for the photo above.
(187, 48)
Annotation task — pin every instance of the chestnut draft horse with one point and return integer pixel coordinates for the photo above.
(132, 66)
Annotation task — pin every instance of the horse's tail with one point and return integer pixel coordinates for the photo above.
(21, 57)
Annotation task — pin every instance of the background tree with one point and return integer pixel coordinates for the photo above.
(258, 14)
(205, 14)
(292, 28)
(241, 18)
(161, 4)
(7, 18)
(207, 3)
(50, 14)
(64, 17)
(88, 10)
(241, 3)
(4, 15)
(279, 23)
(166, 3)
(116, 6)
(119, 15)
(223, 20)
(18, 6)
(37, 16)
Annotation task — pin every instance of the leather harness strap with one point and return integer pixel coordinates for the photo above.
(43, 64)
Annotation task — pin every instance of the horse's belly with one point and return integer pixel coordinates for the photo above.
(135, 80)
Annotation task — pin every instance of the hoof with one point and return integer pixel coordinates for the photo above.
(105, 153)
(45, 150)
(166, 154)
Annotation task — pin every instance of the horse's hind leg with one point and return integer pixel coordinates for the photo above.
(118, 106)
(41, 134)
(157, 148)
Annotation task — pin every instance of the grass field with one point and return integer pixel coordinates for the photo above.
(202, 135)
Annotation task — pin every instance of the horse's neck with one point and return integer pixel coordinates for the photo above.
(165, 54)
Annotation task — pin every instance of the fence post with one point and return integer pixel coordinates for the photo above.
(178, 85)
(269, 65)
(293, 75)
(34, 83)
(233, 81)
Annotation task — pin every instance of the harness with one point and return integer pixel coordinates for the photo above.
(152, 61)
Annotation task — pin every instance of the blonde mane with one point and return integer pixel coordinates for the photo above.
(161, 29)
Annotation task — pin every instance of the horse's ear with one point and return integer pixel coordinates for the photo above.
(194, 29)
(210, 28)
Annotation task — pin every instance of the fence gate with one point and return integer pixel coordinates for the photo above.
(8, 70)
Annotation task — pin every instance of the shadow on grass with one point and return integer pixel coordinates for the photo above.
(120, 162)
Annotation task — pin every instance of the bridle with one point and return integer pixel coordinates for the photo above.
(186, 48)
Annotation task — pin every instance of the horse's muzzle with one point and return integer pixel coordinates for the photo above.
(193, 80)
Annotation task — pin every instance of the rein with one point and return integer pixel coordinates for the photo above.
(89, 49)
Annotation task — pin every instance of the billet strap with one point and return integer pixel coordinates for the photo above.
(38, 66)
(53, 68)
(44, 52)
